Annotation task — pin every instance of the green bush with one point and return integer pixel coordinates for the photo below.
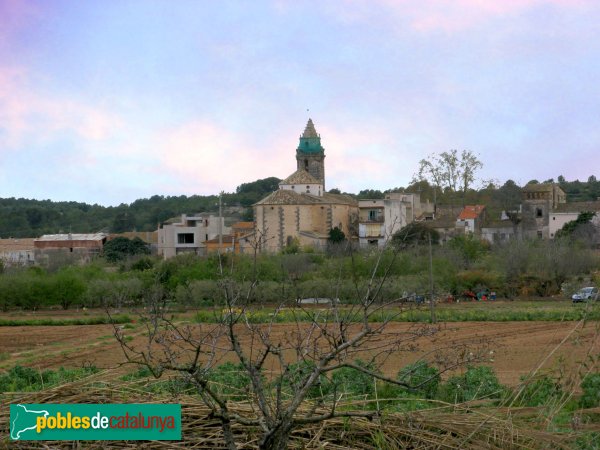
(476, 383)
(422, 377)
(352, 382)
(538, 391)
(591, 391)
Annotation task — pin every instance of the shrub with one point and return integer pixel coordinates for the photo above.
(353, 382)
(591, 391)
(538, 391)
(422, 376)
(476, 383)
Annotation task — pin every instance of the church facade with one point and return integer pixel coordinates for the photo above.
(301, 210)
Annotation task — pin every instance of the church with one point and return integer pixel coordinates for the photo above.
(301, 210)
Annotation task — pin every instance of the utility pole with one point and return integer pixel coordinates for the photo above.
(431, 301)
(220, 221)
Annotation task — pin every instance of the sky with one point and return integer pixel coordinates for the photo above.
(114, 100)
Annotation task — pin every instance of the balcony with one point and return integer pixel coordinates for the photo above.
(379, 219)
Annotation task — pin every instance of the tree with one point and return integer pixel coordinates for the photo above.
(416, 233)
(317, 346)
(569, 228)
(449, 170)
(336, 235)
(120, 248)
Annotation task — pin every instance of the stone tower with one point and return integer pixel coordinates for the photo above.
(310, 154)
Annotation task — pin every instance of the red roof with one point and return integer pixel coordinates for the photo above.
(471, 212)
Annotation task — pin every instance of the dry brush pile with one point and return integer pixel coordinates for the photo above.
(466, 425)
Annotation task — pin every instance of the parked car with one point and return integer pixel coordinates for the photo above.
(585, 294)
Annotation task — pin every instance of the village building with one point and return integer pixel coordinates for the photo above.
(61, 249)
(241, 240)
(567, 212)
(379, 219)
(301, 211)
(188, 234)
(17, 252)
(470, 219)
(539, 200)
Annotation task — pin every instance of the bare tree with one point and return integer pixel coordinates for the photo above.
(286, 365)
(450, 170)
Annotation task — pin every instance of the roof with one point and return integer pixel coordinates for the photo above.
(300, 176)
(539, 187)
(226, 239)
(243, 225)
(441, 222)
(287, 197)
(15, 245)
(577, 207)
(71, 237)
(498, 224)
(314, 234)
(310, 131)
(471, 212)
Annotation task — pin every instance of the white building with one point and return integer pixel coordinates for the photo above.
(379, 219)
(17, 252)
(567, 212)
(188, 234)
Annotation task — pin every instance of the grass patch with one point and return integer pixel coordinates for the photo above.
(444, 313)
(26, 379)
(123, 318)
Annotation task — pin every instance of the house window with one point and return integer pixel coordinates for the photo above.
(539, 212)
(539, 234)
(185, 238)
(373, 214)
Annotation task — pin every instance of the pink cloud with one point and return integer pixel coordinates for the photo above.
(204, 157)
(27, 112)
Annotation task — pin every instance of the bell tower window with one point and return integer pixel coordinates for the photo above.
(306, 165)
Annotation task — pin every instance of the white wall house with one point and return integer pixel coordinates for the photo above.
(188, 234)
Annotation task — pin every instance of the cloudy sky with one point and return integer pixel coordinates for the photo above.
(109, 101)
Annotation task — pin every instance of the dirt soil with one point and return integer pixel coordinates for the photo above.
(512, 348)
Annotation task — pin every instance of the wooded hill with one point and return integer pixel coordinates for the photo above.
(31, 218)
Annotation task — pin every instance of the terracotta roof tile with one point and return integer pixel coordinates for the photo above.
(471, 212)
(300, 176)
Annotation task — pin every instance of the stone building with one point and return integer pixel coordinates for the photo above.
(300, 210)
(310, 154)
(539, 200)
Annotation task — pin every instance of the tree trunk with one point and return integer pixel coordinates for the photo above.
(277, 439)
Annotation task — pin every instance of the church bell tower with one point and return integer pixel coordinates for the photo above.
(310, 154)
